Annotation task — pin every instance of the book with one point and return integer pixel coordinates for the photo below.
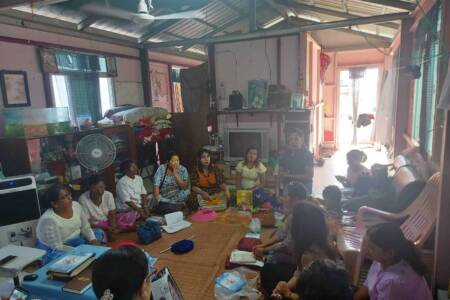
(70, 265)
(164, 286)
(80, 283)
(230, 281)
(175, 222)
(239, 257)
(70, 262)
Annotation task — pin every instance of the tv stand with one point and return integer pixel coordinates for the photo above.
(300, 118)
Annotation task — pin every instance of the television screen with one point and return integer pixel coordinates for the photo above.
(240, 141)
(17, 207)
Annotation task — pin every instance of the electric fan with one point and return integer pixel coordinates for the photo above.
(96, 152)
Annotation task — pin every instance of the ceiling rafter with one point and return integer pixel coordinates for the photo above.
(330, 12)
(86, 23)
(394, 3)
(261, 34)
(205, 23)
(7, 4)
(154, 30)
(220, 29)
(27, 20)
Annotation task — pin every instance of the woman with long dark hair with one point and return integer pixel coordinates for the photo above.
(309, 233)
(250, 173)
(397, 271)
(207, 180)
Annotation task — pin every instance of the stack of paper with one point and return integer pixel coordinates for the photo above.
(245, 258)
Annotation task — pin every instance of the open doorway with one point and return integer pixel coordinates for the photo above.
(358, 90)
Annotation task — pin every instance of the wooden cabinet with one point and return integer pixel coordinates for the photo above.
(55, 156)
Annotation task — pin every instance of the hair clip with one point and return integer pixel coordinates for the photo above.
(107, 295)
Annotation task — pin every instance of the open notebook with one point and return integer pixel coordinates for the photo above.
(175, 222)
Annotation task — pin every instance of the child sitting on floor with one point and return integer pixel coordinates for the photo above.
(332, 197)
(355, 170)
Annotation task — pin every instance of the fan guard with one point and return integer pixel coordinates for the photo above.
(96, 152)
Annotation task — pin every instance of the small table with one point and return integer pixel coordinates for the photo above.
(25, 256)
(47, 289)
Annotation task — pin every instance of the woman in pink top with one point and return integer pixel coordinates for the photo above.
(397, 271)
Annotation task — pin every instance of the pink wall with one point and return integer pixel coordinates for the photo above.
(22, 57)
(237, 63)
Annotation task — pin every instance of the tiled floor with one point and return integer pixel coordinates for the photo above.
(337, 165)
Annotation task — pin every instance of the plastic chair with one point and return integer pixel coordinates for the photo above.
(417, 223)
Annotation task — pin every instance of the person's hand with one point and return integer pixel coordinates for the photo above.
(341, 179)
(206, 196)
(259, 252)
(94, 242)
(143, 213)
(228, 195)
(113, 230)
(282, 289)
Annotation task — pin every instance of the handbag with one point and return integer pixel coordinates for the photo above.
(266, 216)
(149, 232)
(247, 244)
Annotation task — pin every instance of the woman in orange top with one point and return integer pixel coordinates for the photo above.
(206, 179)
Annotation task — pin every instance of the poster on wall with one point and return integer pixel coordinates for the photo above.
(159, 78)
(14, 86)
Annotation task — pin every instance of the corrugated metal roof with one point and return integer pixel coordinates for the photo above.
(217, 13)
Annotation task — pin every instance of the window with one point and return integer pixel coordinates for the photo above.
(426, 55)
(87, 97)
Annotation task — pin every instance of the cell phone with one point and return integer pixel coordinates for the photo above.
(19, 294)
(7, 259)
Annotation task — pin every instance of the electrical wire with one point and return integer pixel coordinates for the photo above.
(268, 61)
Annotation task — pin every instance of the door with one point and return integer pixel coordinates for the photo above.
(358, 90)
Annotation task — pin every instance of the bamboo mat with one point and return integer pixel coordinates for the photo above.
(195, 271)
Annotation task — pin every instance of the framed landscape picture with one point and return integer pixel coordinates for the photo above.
(14, 86)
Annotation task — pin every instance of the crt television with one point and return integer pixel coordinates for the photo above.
(236, 142)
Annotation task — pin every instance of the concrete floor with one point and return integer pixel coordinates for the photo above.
(337, 165)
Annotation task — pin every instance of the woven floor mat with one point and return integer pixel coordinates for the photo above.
(195, 271)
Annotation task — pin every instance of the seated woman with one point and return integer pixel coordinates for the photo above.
(297, 162)
(109, 282)
(171, 186)
(355, 169)
(324, 280)
(100, 209)
(310, 243)
(397, 271)
(279, 245)
(250, 172)
(207, 181)
(64, 225)
(130, 190)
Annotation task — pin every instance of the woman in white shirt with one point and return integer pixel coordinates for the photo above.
(64, 225)
(130, 190)
(250, 172)
(100, 209)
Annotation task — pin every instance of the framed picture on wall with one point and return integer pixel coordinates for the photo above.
(14, 86)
